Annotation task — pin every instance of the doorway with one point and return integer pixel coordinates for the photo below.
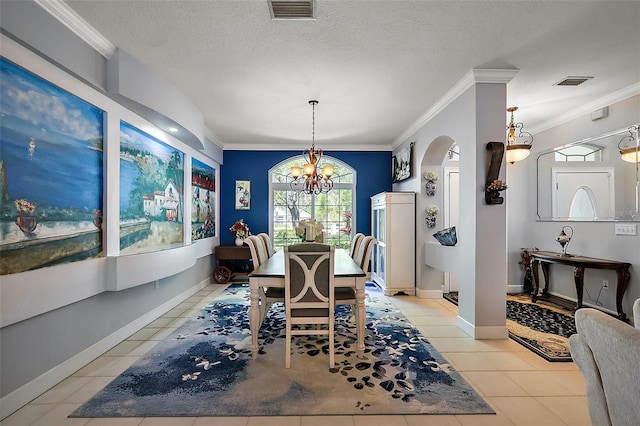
(451, 215)
(582, 193)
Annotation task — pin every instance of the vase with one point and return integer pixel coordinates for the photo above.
(239, 241)
(447, 237)
(431, 221)
(527, 287)
(430, 188)
(27, 224)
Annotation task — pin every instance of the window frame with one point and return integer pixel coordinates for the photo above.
(279, 186)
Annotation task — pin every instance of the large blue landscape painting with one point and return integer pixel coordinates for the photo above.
(51, 168)
(151, 193)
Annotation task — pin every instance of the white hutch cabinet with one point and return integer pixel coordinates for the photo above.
(393, 216)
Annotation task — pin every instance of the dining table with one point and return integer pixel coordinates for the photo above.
(347, 273)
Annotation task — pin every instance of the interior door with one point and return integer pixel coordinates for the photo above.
(451, 214)
(583, 193)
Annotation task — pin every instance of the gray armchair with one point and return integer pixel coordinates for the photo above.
(607, 352)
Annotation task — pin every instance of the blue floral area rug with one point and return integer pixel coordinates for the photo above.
(205, 368)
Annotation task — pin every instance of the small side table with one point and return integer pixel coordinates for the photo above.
(579, 264)
(223, 273)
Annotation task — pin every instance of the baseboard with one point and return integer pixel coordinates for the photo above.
(482, 332)
(429, 294)
(15, 400)
(465, 325)
(492, 333)
(514, 289)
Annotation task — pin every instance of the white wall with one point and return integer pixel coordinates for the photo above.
(54, 320)
(593, 239)
(473, 116)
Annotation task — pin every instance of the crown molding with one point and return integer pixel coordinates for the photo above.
(70, 19)
(213, 138)
(588, 108)
(474, 76)
(287, 147)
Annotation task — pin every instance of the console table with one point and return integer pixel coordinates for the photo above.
(579, 264)
(223, 273)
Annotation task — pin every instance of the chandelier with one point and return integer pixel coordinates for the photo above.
(521, 150)
(308, 178)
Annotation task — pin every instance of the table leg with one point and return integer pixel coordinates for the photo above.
(361, 317)
(623, 281)
(536, 280)
(254, 315)
(547, 284)
(578, 277)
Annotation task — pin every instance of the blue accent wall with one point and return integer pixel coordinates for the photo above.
(373, 174)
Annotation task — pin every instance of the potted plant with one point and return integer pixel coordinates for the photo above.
(431, 177)
(432, 215)
(240, 230)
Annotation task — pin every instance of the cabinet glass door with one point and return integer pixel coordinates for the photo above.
(381, 230)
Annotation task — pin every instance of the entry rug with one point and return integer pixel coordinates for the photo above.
(205, 368)
(542, 327)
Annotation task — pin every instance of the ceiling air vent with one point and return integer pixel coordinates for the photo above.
(573, 81)
(292, 9)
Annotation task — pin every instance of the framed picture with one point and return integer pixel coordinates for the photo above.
(243, 195)
(402, 164)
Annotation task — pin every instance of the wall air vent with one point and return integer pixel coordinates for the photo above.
(292, 9)
(573, 81)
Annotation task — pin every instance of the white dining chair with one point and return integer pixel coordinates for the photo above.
(347, 295)
(355, 244)
(268, 295)
(309, 297)
(268, 244)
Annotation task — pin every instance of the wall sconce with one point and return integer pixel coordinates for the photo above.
(517, 150)
(629, 146)
(493, 185)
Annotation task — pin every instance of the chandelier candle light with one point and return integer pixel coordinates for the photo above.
(517, 150)
(307, 179)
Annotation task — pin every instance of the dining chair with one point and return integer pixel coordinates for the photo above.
(355, 243)
(347, 295)
(309, 298)
(268, 295)
(268, 244)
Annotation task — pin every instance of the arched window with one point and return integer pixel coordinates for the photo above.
(582, 205)
(335, 209)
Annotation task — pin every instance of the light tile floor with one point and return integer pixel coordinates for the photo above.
(521, 387)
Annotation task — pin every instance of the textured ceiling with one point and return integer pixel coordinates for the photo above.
(376, 67)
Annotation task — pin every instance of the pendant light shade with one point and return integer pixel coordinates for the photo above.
(518, 141)
(629, 146)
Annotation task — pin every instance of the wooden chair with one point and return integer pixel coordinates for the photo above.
(268, 295)
(309, 298)
(268, 244)
(355, 244)
(347, 295)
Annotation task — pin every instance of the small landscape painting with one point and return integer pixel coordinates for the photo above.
(203, 199)
(151, 193)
